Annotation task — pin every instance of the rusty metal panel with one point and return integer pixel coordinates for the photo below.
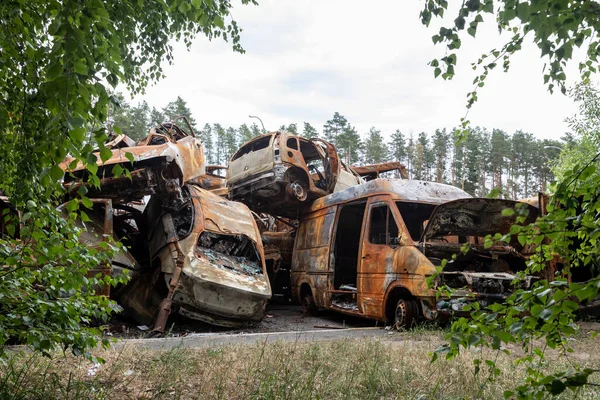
(372, 171)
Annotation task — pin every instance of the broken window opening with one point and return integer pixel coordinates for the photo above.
(292, 143)
(230, 252)
(383, 229)
(183, 220)
(255, 145)
(314, 163)
(347, 242)
(415, 216)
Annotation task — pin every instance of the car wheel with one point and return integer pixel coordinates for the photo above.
(406, 313)
(308, 304)
(298, 190)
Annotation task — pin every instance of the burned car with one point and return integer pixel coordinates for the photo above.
(374, 171)
(215, 180)
(368, 250)
(206, 262)
(278, 172)
(160, 163)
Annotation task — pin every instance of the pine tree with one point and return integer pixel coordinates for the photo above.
(349, 144)
(179, 108)
(256, 131)
(309, 131)
(231, 142)
(499, 149)
(119, 113)
(220, 156)
(291, 128)
(440, 154)
(458, 164)
(410, 156)
(244, 134)
(375, 150)
(424, 158)
(334, 127)
(207, 141)
(397, 146)
(156, 117)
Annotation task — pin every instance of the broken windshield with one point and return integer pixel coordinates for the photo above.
(415, 216)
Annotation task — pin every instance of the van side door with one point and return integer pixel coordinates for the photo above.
(376, 265)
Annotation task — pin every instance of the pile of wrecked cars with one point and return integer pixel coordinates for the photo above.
(288, 219)
(197, 253)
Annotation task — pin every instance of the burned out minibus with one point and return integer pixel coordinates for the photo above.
(368, 250)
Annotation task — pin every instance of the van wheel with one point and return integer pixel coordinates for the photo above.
(308, 304)
(298, 190)
(406, 313)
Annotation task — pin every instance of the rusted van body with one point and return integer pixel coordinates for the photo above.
(278, 172)
(368, 250)
(223, 279)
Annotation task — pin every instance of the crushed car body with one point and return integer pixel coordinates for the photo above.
(215, 180)
(160, 163)
(195, 253)
(369, 250)
(279, 173)
(217, 246)
(374, 171)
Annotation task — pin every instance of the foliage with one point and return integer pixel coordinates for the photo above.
(585, 141)
(542, 317)
(59, 59)
(556, 27)
(374, 147)
(309, 131)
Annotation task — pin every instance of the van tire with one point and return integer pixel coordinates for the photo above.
(405, 313)
(308, 304)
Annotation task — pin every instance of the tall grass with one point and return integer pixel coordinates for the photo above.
(398, 368)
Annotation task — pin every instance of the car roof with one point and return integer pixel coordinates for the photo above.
(400, 189)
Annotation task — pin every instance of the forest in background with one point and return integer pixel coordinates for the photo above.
(518, 164)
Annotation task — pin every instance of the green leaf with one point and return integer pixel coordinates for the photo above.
(87, 203)
(130, 157)
(557, 387)
(105, 154)
(117, 170)
(507, 212)
(80, 67)
(56, 173)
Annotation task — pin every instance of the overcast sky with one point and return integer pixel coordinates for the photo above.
(367, 60)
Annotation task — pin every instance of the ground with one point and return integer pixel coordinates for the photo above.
(288, 356)
(279, 318)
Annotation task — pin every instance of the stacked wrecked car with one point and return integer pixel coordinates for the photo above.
(197, 253)
(363, 245)
(288, 218)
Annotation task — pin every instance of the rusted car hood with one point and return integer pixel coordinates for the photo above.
(169, 151)
(224, 216)
(474, 217)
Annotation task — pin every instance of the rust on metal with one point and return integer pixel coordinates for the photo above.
(218, 274)
(280, 173)
(373, 171)
(162, 162)
(368, 250)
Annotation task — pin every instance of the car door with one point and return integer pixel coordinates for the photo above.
(376, 265)
(332, 163)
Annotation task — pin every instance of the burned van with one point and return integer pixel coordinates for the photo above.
(368, 250)
(280, 172)
(209, 253)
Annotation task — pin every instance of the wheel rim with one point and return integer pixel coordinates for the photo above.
(401, 313)
(298, 191)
